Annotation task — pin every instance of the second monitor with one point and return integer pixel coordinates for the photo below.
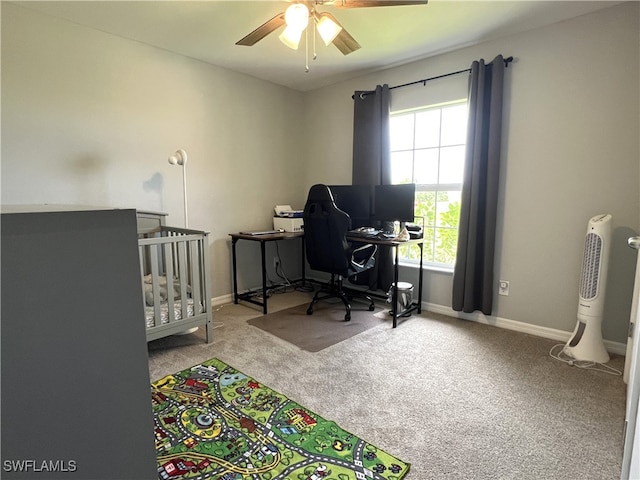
(367, 203)
(395, 202)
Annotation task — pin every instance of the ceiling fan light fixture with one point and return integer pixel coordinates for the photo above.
(291, 37)
(297, 16)
(328, 29)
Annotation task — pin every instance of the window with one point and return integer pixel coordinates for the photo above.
(428, 148)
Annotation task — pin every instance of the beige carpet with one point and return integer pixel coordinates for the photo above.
(324, 328)
(457, 399)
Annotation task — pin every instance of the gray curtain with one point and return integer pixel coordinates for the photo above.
(372, 164)
(473, 272)
(371, 156)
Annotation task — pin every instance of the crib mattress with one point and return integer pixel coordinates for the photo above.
(164, 312)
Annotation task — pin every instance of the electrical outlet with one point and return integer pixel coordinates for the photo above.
(503, 287)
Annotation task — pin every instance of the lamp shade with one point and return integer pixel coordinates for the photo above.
(291, 37)
(297, 16)
(178, 158)
(328, 29)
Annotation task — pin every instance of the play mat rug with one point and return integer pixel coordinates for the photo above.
(213, 422)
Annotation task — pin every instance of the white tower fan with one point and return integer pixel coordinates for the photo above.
(586, 342)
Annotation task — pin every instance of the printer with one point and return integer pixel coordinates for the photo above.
(287, 219)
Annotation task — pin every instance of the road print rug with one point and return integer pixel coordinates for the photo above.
(214, 422)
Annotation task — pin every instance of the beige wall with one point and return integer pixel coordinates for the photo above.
(90, 118)
(570, 152)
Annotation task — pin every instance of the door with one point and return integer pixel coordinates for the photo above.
(631, 455)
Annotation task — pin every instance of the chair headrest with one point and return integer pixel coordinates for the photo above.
(320, 193)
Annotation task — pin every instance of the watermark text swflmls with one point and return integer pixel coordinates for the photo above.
(44, 466)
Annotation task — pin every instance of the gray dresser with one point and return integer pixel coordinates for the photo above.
(75, 379)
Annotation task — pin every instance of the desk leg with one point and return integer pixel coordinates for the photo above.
(394, 298)
(235, 271)
(420, 280)
(264, 277)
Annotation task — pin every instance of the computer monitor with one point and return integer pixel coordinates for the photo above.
(356, 201)
(395, 202)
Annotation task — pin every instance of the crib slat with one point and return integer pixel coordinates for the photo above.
(183, 278)
(155, 286)
(207, 288)
(195, 276)
(168, 263)
(141, 257)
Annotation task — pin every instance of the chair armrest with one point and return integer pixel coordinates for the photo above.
(363, 257)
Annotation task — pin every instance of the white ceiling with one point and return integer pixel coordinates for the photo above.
(208, 30)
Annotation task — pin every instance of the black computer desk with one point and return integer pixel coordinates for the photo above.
(415, 306)
(263, 239)
(272, 237)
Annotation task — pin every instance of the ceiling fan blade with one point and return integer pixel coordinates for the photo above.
(345, 42)
(262, 31)
(369, 3)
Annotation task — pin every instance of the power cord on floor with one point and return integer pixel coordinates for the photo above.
(280, 273)
(282, 288)
(287, 285)
(586, 364)
(304, 288)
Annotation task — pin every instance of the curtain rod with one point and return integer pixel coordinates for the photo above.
(507, 61)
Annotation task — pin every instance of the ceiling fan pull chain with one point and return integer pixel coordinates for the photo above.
(315, 52)
(306, 50)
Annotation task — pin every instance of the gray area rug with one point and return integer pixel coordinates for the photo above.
(456, 399)
(316, 332)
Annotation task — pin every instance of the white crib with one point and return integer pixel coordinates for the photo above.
(176, 286)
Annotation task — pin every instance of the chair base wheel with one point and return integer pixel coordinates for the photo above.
(372, 308)
(347, 317)
(309, 311)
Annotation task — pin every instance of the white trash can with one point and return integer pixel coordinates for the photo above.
(405, 297)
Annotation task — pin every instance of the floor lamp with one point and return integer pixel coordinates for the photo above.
(180, 158)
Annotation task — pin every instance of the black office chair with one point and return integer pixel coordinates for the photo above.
(327, 248)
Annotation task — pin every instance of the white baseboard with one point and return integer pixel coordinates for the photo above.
(616, 348)
(222, 300)
(544, 332)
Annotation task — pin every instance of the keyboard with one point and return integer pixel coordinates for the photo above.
(364, 232)
(263, 232)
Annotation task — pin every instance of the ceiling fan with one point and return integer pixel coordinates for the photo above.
(299, 13)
